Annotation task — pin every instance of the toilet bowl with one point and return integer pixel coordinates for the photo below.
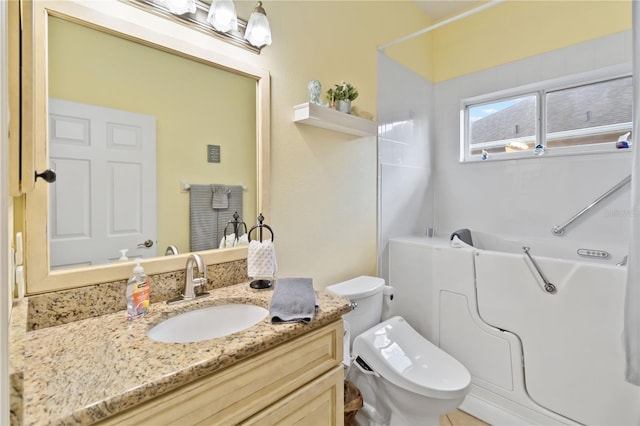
(404, 379)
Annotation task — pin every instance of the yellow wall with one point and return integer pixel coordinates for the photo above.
(195, 105)
(518, 29)
(324, 183)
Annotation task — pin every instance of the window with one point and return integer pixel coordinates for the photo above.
(589, 114)
(503, 126)
(548, 120)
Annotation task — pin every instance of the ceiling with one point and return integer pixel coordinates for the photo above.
(438, 9)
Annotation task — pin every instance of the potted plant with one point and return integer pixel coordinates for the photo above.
(341, 95)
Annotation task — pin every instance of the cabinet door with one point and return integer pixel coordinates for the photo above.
(33, 94)
(320, 402)
(248, 387)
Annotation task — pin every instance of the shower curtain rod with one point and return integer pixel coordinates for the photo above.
(441, 24)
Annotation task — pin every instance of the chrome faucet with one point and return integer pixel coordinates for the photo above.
(623, 262)
(190, 282)
(171, 250)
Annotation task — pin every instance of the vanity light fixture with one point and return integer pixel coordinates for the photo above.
(258, 31)
(218, 20)
(222, 15)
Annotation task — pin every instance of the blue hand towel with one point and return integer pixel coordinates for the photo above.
(293, 300)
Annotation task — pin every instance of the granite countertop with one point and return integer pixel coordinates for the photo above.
(84, 371)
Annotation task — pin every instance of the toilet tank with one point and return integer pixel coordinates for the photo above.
(366, 293)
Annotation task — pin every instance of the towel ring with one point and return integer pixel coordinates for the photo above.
(260, 284)
(260, 226)
(236, 225)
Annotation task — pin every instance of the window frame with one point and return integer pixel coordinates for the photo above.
(540, 89)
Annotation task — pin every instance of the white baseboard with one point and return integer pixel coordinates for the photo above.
(498, 411)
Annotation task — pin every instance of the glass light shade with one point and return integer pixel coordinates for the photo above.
(258, 32)
(180, 7)
(222, 15)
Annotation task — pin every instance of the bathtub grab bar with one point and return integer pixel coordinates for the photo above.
(559, 230)
(548, 287)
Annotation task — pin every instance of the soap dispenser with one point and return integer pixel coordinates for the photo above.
(123, 255)
(137, 293)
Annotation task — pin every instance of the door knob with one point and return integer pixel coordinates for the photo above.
(147, 244)
(48, 175)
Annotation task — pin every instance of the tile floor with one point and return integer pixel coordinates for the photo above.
(460, 418)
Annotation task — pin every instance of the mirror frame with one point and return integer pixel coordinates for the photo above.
(122, 20)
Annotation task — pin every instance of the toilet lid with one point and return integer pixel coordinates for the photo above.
(357, 288)
(402, 356)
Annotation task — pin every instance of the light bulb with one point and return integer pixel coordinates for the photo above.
(222, 15)
(258, 32)
(180, 7)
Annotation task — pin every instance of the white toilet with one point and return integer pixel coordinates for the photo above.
(404, 379)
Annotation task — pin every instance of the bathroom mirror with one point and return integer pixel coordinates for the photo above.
(115, 56)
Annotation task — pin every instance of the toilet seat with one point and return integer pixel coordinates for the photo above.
(395, 351)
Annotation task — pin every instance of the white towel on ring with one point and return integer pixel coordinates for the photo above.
(261, 259)
(243, 240)
(231, 241)
(228, 242)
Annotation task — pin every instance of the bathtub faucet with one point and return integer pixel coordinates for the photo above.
(623, 261)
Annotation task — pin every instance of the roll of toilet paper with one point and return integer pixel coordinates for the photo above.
(388, 292)
(387, 297)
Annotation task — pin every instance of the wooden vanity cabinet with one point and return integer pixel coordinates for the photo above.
(300, 381)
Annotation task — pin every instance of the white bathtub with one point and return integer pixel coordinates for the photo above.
(535, 358)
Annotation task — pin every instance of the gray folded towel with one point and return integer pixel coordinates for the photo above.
(293, 300)
(220, 198)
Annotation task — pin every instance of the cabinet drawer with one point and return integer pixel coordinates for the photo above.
(320, 402)
(241, 390)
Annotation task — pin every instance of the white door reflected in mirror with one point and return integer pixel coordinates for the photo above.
(104, 200)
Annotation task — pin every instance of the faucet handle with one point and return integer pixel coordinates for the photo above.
(199, 282)
(190, 292)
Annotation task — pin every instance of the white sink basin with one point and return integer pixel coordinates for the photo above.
(207, 323)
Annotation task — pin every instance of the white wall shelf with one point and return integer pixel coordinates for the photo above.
(327, 118)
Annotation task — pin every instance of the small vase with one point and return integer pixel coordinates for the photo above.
(343, 106)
